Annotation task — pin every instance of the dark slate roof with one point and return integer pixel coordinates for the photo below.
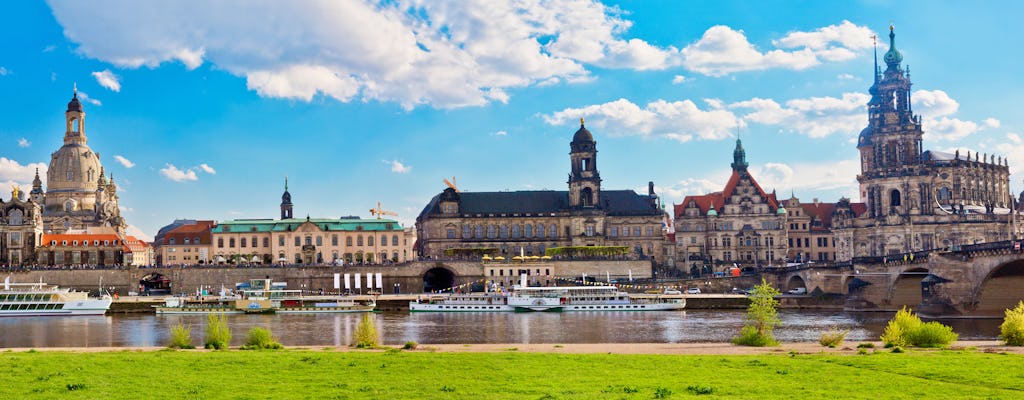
(613, 202)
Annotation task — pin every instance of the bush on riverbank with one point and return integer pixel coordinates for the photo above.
(832, 338)
(218, 334)
(366, 336)
(181, 337)
(761, 318)
(907, 329)
(260, 339)
(1012, 328)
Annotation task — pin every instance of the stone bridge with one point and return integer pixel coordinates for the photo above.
(413, 277)
(972, 280)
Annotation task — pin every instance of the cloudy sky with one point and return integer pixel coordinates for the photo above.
(200, 109)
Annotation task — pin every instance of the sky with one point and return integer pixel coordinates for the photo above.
(201, 109)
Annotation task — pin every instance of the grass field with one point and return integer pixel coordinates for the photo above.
(313, 374)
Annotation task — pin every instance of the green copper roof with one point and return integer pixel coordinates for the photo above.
(893, 57)
(291, 224)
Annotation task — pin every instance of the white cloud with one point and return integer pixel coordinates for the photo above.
(501, 133)
(991, 123)
(133, 230)
(838, 175)
(49, 48)
(24, 142)
(398, 167)
(85, 97)
(678, 79)
(933, 103)
(815, 117)
(124, 161)
(680, 120)
(4, 71)
(12, 174)
(173, 173)
(846, 77)
(723, 50)
(207, 169)
(108, 80)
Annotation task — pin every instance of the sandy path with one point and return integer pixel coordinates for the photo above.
(609, 348)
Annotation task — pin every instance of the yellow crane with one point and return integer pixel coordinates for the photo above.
(379, 211)
(451, 184)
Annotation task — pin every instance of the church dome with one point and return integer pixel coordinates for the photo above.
(893, 57)
(582, 135)
(73, 167)
(865, 137)
(74, 105)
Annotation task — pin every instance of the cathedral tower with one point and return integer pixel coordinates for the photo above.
(286, 202)
(584, 179)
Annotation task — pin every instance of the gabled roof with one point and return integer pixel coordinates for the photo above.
(704, 203)
(734, 180)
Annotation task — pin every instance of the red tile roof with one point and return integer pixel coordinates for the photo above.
(704, 202)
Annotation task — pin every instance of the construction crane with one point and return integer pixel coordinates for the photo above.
(379, 211)
(451, 184)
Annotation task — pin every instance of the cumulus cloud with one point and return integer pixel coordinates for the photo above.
(124, 161)
(501, 133)
(815, 117)
(678, 79)
(398, 167)
(933, 103)
(13, 173)
(439, 54)
(107, 79)
(936, 108)
(173, 173)
(723, 50)
(838, 175)
(24, 142)
(133, 230)
(846, 77)
(207, 169)
(679, 120)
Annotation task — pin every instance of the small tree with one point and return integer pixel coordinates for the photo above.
(761, 318)
(366, 335)
(218, 335)
(1012, 328)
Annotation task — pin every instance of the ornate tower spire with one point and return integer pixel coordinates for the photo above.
(739, 157)
(584, 179)
(286, 202)
(74, 119)
(893, 57)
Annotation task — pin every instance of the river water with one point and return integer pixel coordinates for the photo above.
(470, 328)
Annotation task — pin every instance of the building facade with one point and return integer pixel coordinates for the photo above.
(78, 195)
(742, 224)
(97, 247)
(917, 199)
(21, 229)
(310, 241)
(508, 224)
(188, 243)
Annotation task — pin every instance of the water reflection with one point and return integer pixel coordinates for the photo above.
(470, 328)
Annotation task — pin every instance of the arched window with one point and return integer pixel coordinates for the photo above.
(319, 240)
(255, 241)
(71, 174)
(309, 240)
(369, 240)
(894, 198)
(348, 240)
(394, 240)
(90, 179)
(69, 205)
(528, 231)
(220, 242)
(492, 231)
(15, 217)
(515, 231)
(242, 242)
(586, 197)
(553, 231)
(383, 240)
(478, 232)
(944, 193)
(359, 240)
(266, 241)
(540, 230)
(231, 242)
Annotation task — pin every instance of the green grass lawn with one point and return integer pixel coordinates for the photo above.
(305, 374)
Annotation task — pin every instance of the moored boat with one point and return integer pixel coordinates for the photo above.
(261, 296)
(548, 298)
(40, 299)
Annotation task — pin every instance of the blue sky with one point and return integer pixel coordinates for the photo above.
(200, 109)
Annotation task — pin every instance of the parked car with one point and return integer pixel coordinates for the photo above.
(799, 290)
(672, 291)
(693, 290)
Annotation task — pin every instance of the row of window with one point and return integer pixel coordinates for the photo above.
(171, 241)
(84, 243)
(309, 240)
(505, 231)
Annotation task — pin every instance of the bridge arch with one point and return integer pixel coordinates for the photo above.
(1000, 289)
(795, 281)
(438, 278)
(906, 290)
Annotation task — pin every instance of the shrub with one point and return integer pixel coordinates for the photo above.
(218, 335)
(1012, 328)
(832, 338)
(906, 329)
(181, 337)
(260, 339)
(933, 334)
(410, 345)
(761, 318)
(366, 333)
(866, 345)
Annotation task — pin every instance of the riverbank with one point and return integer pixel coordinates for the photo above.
(514, 372)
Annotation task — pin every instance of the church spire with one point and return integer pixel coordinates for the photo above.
(739, 157)
(286, 202)
(893, 57)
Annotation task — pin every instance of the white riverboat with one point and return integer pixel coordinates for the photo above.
(40, 299)
(260, 296)
(548, 298)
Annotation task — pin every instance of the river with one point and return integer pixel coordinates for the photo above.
(470, 328)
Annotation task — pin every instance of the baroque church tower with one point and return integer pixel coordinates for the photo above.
(78, 195)
(286, 202)
(584, 179)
